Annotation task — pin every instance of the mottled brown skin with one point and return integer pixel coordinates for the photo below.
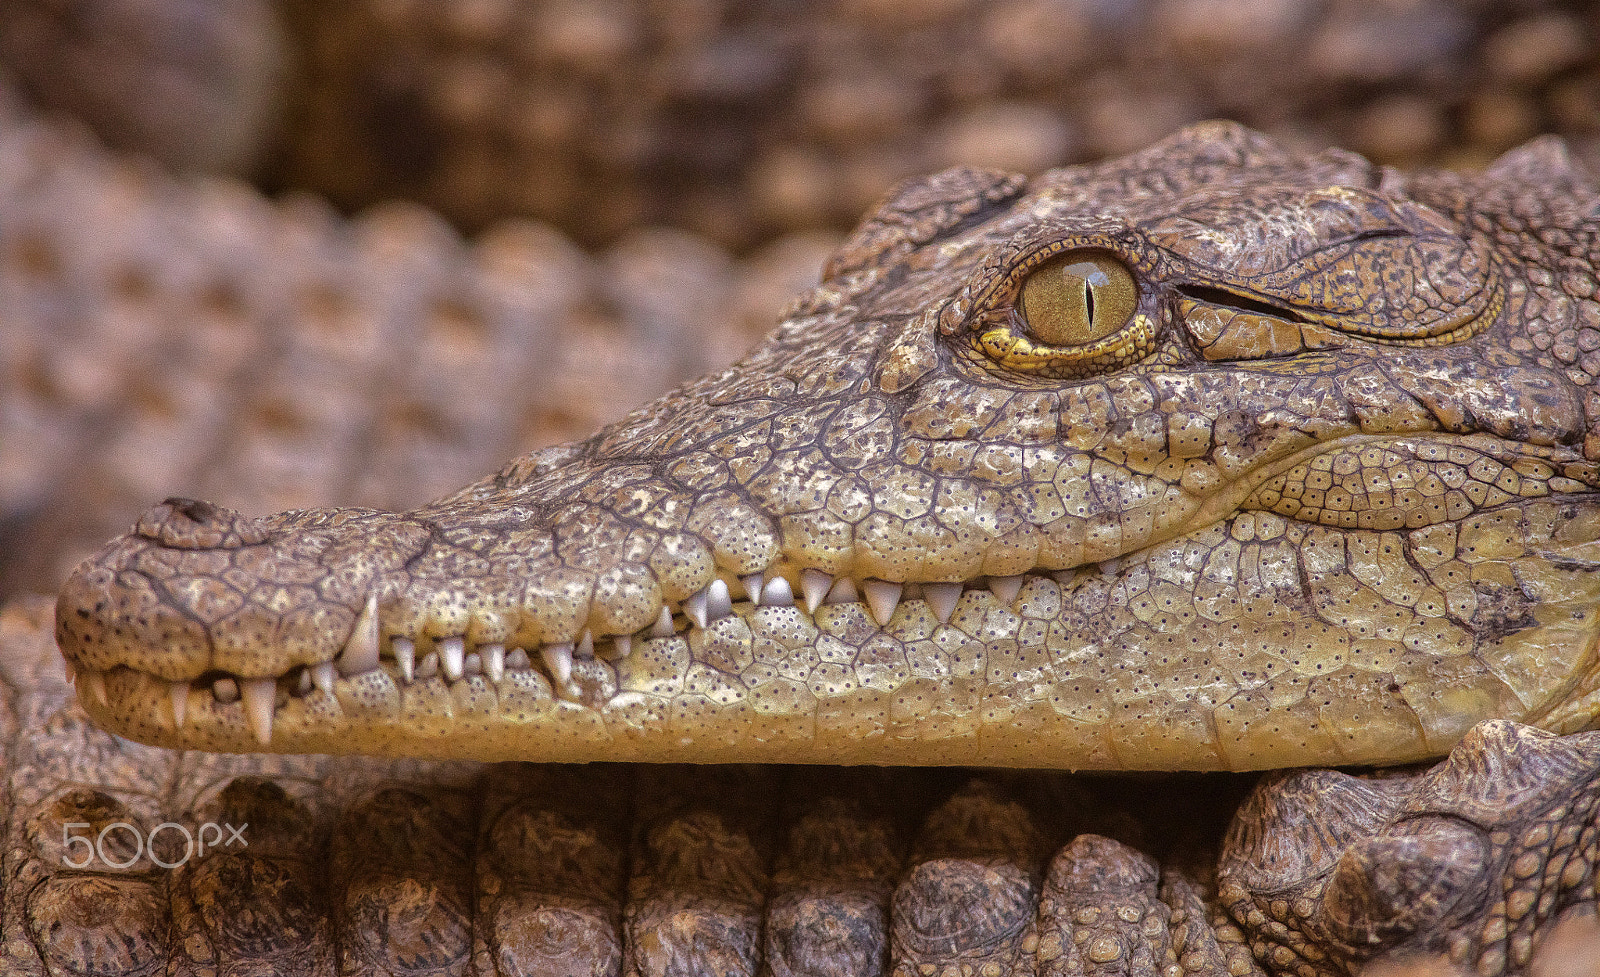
(403, 867)
(1326, 496)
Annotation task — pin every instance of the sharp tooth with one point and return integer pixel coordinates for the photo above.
(494, 661)
(178, 692)
(942, 598)
(623, 645)
(695, 607)
(814, 584)
(452, 656)
(882, 597)
(585, 647)
(663, 626)
(558, 658)
(517, 660)
(302, 682)
(1005, 589)
(777, 593)
(473, 665)
(719, 603)
(430, 665)
(752, 586)
(95, 682)
(259, 694)
(405, 655)
(323, 674)
(360, 653)
(225, 690)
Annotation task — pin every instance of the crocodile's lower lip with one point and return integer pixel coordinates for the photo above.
(615, 697)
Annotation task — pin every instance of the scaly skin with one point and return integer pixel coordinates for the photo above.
(1328, 496)
(408, 868)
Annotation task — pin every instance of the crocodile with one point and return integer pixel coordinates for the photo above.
(1214, 457)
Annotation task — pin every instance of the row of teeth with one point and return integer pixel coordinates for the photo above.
(450, 656)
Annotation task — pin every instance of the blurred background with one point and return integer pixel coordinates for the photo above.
(283, 253)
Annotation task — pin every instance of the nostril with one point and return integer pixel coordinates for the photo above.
(190, 524)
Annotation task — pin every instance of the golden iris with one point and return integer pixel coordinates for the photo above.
(1078, 298)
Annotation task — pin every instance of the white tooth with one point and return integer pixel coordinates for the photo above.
(585, 647)
(663, 626)
(473, 665)
(843, 591)
(259, 695)
(882, 597)
(179, 693)
(517, 660)
(430, 665)
(95, 682)
(1005, 589)
(719, 603)
(494, 661)
(777, 593)
(405, 655)
(694, 608)
(302, 682)
(225, 690)
(752, 586)
(558, 658)
(452, 655)
(322, 676)
(814, 584)
(622, 646)
(942, 598)
(360, 653)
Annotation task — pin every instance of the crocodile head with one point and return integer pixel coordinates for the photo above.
(1214, 456)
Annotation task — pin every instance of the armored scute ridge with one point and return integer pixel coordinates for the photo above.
(1212, 457)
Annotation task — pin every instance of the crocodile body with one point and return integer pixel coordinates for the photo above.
(1216, 456)
(1315, 487)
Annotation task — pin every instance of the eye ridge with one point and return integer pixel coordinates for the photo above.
(1212, 295)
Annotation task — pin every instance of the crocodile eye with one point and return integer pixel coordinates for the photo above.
(1074, 315)
(1077, 298)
